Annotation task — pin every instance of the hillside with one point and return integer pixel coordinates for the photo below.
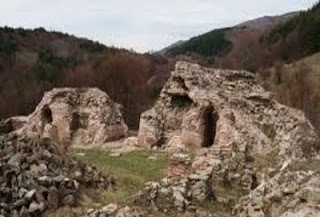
(219, 42)
(166, 49)
(297, 85)
(256, 44)
(34, 61)
(267, 22)
(302, 32)
(212, 43)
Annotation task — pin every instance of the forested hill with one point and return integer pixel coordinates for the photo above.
(302, 32)
(219, 42)
(34, 61)
(213, 43)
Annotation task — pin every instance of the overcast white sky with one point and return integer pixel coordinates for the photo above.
(142, 25)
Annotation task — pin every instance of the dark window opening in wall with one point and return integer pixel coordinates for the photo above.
(47, 115)
(181, 101)
(254, 182)
(79, 121)
(210, 126)
(180, 82)
(75, 123)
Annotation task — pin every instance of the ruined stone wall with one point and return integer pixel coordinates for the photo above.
(74, 116)
(227, 112)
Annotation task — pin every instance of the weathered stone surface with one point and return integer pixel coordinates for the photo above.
(35, 174)
(226, 112)
(292, 192)
(36, 208)
(200, 179)
(113, 210)
(54, 198)
(176, 144)
(244, 137)
(131, 141)
(73, 116)
(185, 186)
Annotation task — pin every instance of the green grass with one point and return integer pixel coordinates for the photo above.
(130, 171)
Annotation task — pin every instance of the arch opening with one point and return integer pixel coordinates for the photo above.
(210, 118)
(47, 115)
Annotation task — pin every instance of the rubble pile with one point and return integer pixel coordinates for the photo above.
(186, 185)
(113, 210)
(36, 175)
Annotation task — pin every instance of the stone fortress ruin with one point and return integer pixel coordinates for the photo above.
(242, 136)
(73, 116)
(218, 127)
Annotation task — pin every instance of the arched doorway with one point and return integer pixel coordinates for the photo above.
(210, 118)
(46, 115)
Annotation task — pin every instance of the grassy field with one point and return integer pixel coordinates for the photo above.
(130, 171)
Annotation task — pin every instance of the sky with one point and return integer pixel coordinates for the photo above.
(141, 25)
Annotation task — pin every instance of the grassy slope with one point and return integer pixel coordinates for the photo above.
(298, 86)
(311, 63)
(130, 171)
(289, 72)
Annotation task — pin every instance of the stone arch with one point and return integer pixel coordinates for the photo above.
(209, 118)
(46, 115)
